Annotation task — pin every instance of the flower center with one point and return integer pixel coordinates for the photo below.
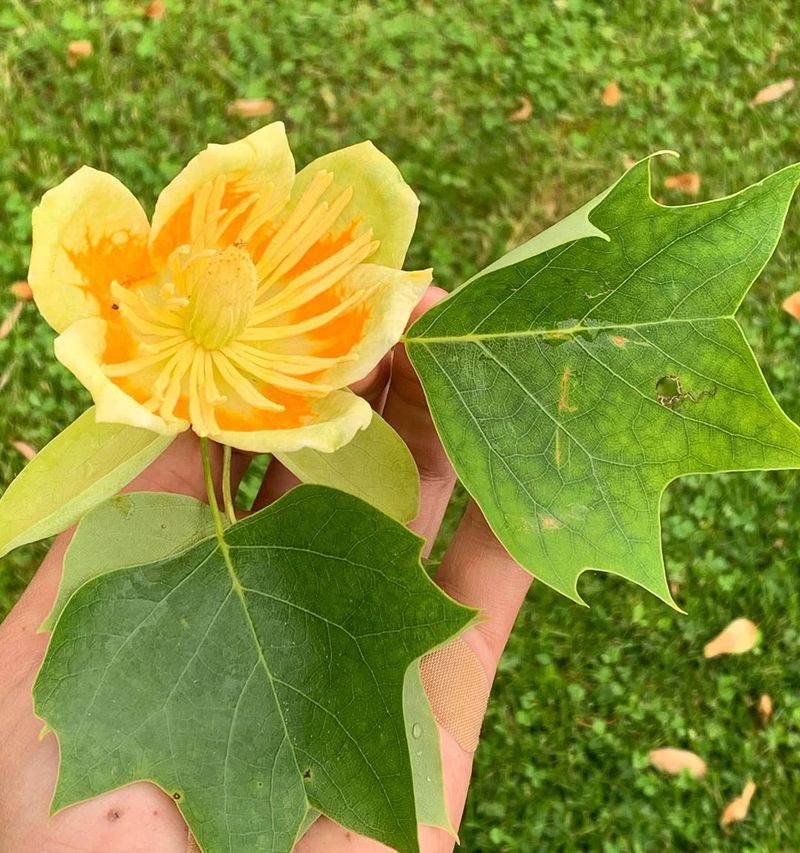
(222, 289)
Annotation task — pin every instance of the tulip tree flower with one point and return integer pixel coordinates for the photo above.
(243, 312)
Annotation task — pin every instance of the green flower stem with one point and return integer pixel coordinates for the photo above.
(227, 498)
(219, 526)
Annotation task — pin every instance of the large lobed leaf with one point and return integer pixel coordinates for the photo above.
(573, 380)
(259, 688)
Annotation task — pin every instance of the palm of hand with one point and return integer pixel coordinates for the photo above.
(141, 818)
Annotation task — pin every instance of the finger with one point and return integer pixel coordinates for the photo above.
(479, 572)
(179, 469)
(374, 385)
(406, 409)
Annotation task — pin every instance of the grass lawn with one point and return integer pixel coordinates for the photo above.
(582, 695)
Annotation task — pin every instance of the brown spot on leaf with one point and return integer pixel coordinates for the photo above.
(618, 340)
(563, 405)
(547, 522)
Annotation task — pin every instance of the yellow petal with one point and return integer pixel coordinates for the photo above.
(80, 349)
(260, 163)
(87, 232)
(739, 637)
(676, 760)
(737, 809)
(381, 200)
(320, 424)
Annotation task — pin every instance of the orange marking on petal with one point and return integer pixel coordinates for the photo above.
(131, 385)
(233, 196)
(324, 249)
(296, 412)
(121, 257)
(120, 345)
(176, 231)
(338, 337)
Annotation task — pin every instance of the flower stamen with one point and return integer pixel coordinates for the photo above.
(274, 333)
(242, 387)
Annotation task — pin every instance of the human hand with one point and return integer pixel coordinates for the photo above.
(141, 818)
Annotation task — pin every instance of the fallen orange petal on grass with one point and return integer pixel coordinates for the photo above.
(737, 809)
(687, 183)
(765, 707)
(792, 304)
(773, 92)
(78, 50)
(10, 321)
(524, 112)
(676, 760)
(611, 94)
(22, 290)
(739, 637)
(25, 449)
(251, 107)
(156, 10)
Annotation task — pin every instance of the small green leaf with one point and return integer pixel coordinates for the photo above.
(256, 682)
(375, 466)
(81, 467)
(573, 383)
(129, 530)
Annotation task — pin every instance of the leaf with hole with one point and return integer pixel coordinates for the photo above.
(267, 674)
(572, 383)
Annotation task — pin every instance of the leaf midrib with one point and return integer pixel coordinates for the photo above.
(240, 590)
(570, 331)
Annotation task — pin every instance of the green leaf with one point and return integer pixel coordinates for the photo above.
(572, 386)
(81, 467)
(422, 733)
(142, 527)
(129, 530)
(253, 682)
(375, 466)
